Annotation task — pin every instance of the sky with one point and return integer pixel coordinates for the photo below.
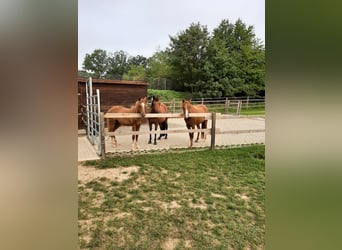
(141, 27)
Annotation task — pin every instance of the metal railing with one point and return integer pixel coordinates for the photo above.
(93, 121)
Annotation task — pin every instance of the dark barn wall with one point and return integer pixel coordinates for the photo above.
(112, 92)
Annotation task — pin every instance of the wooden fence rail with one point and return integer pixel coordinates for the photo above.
(210, 116)
(226, 104)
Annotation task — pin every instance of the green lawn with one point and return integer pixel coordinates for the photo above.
(253, 111)
(186, 199)
(232, 110)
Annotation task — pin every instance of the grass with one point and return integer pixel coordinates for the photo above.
(192, 199)
(253, 111)
(232, 110)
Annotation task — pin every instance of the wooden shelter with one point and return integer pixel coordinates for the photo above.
(112, 92)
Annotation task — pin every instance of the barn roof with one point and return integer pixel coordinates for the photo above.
(107, 81)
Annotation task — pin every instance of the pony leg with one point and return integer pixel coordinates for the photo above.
(198, 133)
(113, 141)
(136, 137)
(150, 140)
(115, 126)
(166, 127)
(133, 138)
(155, 135)
(161, 127)
(133, 142)
(191, 135)
(204, 126)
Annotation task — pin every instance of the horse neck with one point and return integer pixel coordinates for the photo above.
(133, 109)
(190, 107)
(154, 109)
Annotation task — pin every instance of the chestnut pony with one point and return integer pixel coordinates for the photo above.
(191, 122)
(115, 123)
(158, 108)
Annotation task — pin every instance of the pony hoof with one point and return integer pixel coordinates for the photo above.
(155, 143)
(149, 142)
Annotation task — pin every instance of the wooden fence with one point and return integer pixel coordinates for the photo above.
(213, 131)
(222, 105)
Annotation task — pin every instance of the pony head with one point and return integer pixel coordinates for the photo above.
(185, 107)
(155, 105)
(141, 106)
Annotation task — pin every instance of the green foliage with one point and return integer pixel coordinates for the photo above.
(168, 95)
(136, 72)
(96, 63)
(158, 66)
(117, 64)
(138, 60)
(230, 63)
(83, 74)
(236, 63)
(188, 55)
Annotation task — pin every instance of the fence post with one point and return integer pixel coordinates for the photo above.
(226, 105)
(213, 130)
(102, 136)
(173, 105)
(247, 102)
(202, 100)
(239, 104)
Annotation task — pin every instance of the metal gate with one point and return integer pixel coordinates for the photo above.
(93, 117)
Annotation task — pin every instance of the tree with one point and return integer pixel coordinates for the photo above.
(137, 61)
(188, 55)
(136, 72)
(158, 71)
(96, 63)
(83, 74)
(236, 61)
(117, 65)
(157, 66)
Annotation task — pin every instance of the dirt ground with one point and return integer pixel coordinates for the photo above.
(181, 140)
(86, 174)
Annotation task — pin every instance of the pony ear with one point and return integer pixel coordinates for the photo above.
(183, 100)
(190, 99)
